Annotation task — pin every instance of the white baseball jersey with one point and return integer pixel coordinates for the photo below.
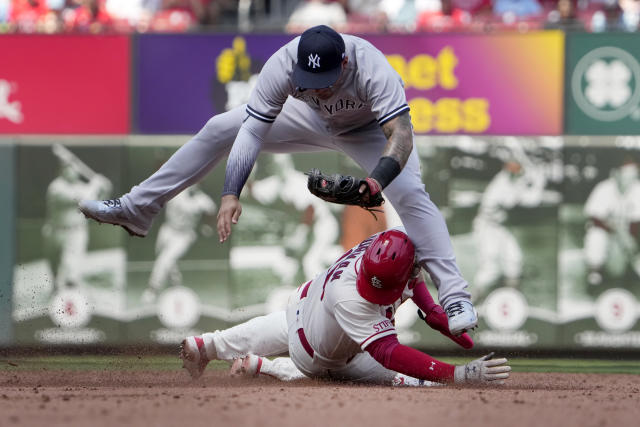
(368, 90)
(606, 202)
(505, 191)
(337, 321)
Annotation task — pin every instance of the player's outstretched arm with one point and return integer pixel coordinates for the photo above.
(242, 157)
(409, 361)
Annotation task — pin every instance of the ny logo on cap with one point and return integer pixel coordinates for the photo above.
(376, 283)
(314, 61)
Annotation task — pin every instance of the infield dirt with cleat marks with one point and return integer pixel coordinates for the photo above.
(168, 398)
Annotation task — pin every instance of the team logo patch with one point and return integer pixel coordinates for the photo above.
(376, 283)
(314, 61)
(606, 84)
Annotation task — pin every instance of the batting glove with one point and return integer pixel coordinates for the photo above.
(483, 371)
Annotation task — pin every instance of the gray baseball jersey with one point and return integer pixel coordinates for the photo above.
(368, 90)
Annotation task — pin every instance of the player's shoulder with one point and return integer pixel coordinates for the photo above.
(368, 62)
(606, 185)
(361, 51)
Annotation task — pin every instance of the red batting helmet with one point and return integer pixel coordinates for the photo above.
(386, 267)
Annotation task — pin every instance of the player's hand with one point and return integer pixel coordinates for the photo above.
(229, 213)
(485, 370)
(369, 188)
(437, 319)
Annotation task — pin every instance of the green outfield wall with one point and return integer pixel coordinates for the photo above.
(520, 212)
(7, 242)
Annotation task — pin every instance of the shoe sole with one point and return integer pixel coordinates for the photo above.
(188, 359)
(131, 232)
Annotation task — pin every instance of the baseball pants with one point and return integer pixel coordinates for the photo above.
(276, 334)
(299, 129)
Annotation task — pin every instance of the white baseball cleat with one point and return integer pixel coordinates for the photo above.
(194, 356)
(462, 317)
(113, 212)
(248, 365)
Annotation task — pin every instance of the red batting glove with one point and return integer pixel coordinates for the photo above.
(437, 319)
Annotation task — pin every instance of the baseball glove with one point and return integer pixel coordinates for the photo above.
(344, 189)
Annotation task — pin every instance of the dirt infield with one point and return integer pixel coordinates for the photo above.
(168, 398)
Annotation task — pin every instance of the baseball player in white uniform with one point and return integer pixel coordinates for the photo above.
(340, 325)
(321, 91)
(66, 232)
(499, 253)
(613, 210)
(175, 237)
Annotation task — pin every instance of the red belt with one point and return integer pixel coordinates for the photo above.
(301, 335)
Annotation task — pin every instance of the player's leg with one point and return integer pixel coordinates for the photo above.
(263, 336)
(596, 245)
(171, 246)
(488, 249)
(512, 258)
(281, 368)
(423, 221)
(74, 251)
(135, 210)
(296, 129)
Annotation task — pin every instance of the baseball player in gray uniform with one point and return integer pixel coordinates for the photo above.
(340, 325)
(321, 91)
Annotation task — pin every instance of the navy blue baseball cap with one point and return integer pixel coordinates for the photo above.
(320, 55)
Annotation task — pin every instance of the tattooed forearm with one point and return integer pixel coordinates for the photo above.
(400, 136)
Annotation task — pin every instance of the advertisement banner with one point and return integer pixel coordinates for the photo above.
(508, 84)
(503, 84)
(183, 80)
(602, 84)
(61, 84)
(7, 235)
